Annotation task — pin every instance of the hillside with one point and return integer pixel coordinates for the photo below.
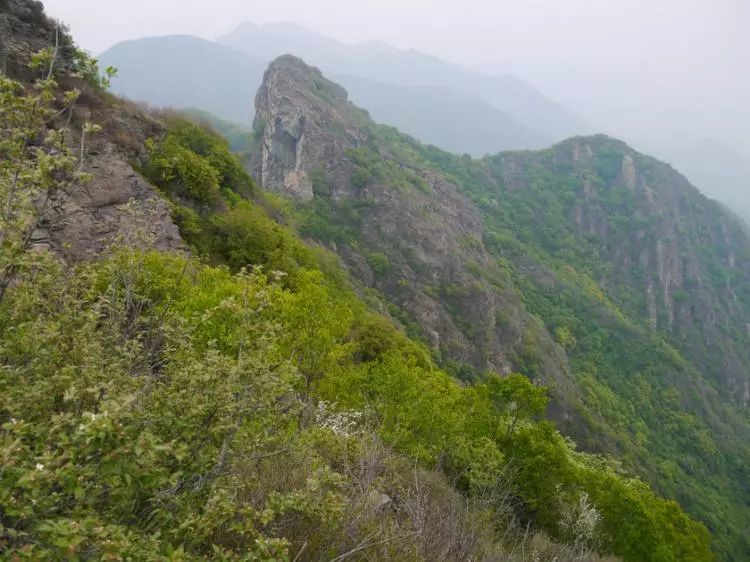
(478, 115)
(588, 266)
(231, 392)
(466, 124)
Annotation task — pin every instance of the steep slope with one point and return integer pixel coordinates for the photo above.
(628, 238)
(91, 219)
(155, 407)
(589, 266)
(182, 71)
(664, 253)
(405, 230)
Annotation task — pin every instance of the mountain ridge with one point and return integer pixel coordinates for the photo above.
(246, 396)
(157, 80)
(411, 67)
(185, 71)
(606, 247)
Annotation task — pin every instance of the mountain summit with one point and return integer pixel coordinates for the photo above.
(317, 147)
(478, 115)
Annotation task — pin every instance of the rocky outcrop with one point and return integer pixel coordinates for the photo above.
(25, 30)
(317, 145)
(671, 254)
(117, 206)
(673, 260)
(305, 123)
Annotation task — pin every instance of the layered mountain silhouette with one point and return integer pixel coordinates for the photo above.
(438, 102)
(380, 62)
(183, 71)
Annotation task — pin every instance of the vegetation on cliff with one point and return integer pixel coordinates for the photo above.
(590, 268)
(247, 405)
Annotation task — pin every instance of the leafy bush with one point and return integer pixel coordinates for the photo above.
(153, 422)
(194, 164)
(379, 262)
(181, 172)
(360, 177)
(87, 68)
(245, 236)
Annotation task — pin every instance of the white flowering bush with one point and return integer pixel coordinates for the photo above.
(344, 423)
(580, 524)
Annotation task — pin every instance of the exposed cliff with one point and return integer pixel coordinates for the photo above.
(144, 390)
(658, 248)
(412, 236)
(117, 205)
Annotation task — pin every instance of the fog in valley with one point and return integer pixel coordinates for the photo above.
(669, 77)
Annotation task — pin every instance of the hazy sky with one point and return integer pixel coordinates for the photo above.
(681, 67)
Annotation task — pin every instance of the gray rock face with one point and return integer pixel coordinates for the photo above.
(117, 207)
(304, 119)
(438, 269)
(679, 253)
(25, 30)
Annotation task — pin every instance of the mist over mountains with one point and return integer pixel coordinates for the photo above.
(477, 114)
(294, 332)
(440, 103)
(183, 71)
(379, 62)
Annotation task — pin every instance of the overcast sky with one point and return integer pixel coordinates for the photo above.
(681, 66)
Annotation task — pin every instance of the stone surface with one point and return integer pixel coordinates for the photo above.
(297, 110)
(117, 206)
(25, 30)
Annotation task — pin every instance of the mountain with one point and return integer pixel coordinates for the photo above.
(465, 124)
(182, 71)
(380, 62)
(403, 88)
(588, 266)
(229, 391)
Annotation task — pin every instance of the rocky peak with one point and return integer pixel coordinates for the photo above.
(306, 124)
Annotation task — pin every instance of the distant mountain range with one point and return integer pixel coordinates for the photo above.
(438, 102)
(183, 71)
(378, 61)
